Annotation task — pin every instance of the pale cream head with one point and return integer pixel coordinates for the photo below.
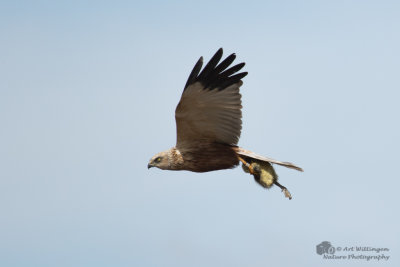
(160, 160)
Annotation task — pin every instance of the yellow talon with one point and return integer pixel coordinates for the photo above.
(247, 165)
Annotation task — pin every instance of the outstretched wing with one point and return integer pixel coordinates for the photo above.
(210, 105)
(248, 153)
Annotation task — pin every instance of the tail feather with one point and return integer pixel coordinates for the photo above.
(247, 153)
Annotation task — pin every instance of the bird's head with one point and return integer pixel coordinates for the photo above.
(160, 160)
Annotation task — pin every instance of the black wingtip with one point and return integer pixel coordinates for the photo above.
(216, 74)
(195, 72)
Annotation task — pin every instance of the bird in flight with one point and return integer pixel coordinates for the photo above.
(209, 122)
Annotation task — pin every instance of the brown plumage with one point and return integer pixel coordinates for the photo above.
(209, 122)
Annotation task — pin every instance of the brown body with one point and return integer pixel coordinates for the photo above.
(205, 158)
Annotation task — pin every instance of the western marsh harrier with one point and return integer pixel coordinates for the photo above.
(209, 121)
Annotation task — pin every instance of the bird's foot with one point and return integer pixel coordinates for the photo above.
(251, 169)
(284, 190)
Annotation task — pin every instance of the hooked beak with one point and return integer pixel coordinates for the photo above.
(149, 166)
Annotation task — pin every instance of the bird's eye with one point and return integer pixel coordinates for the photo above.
(158, 159)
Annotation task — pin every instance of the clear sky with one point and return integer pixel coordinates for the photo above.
(88, 91)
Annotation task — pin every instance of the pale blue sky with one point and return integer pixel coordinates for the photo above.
(88, 91)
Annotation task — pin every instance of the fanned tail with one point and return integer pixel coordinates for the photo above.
(248, 154)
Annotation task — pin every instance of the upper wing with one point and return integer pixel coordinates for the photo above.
(210, 105)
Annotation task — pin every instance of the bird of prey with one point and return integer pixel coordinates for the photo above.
(209, 122)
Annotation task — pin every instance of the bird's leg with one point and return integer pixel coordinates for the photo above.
(284, 190)
(247, 165)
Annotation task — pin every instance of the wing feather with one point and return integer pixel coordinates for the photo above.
(250, 154)
(210, 105)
